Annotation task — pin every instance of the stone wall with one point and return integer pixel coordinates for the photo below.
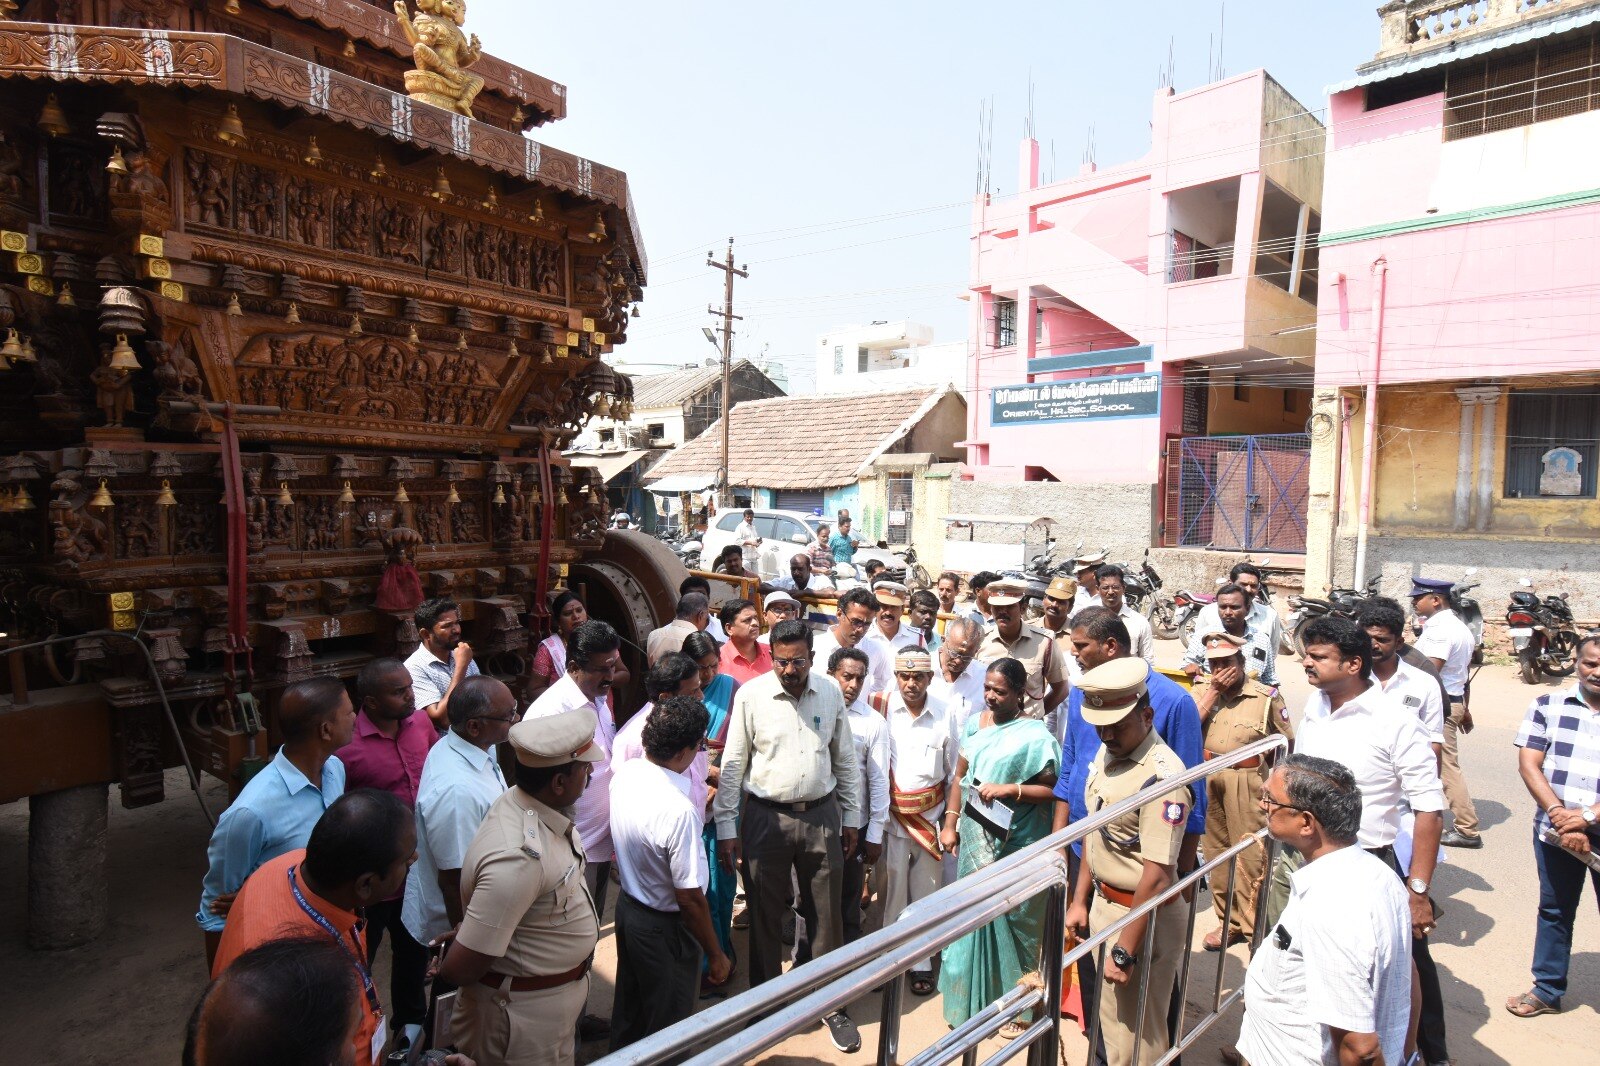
(1115, 517)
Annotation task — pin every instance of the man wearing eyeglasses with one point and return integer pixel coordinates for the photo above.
(790, 762)
(461, 779)
(1332, 981)
(958, 682)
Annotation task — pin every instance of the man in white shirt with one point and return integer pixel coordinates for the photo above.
(663, 922)
(1113, 591)
(693, 615)
(857, 608)
(801, 579)
(441, 662)
(1332, 982)
(749, 542)
(777, 607)
(1350, 720)
(888, 629)
(460, 781)
(1413, 689)
(1085, 570)
(1447, 641)
(923, 751)
(593, 660)
(958, 678)
(1259, 611)
(675, 675)
(848, 668)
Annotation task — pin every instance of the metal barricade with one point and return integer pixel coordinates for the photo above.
(740, 1029)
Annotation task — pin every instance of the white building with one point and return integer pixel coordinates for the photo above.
(887, 355)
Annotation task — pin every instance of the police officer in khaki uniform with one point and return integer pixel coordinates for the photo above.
(1035, 649)
(1236, 710)
(521, 954)
(1131, 860)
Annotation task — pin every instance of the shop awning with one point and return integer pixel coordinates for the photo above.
(610, 464)
(671, 486)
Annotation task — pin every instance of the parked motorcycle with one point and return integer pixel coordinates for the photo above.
(1186, 608)
(1467, 608)
(1143, 594)
(1036, 576)
(1543, 635)
(1346, 603)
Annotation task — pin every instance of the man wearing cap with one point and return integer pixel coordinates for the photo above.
(1260, 655)
(1112, 585)
(1446, 640)
(1130, 861)
(1031, 646)
(790, 754)
(888, 629)
(802, 579)
(777, 607)
(923, 751)
(857, 608)
(529, 926)
(1084, 569)
(1236, 710)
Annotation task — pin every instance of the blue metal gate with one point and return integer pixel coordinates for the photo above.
(1246, 493)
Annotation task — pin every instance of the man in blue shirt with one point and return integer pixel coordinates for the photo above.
(274, 813)
(1099, 636)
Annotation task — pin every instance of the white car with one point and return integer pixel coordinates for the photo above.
(783, 534)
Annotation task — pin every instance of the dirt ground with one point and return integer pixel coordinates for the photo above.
(126, 997)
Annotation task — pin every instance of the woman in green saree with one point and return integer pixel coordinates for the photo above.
(1009, 759)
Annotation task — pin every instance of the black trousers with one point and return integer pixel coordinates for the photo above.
(780, 846)
(658, 971)
(408, 998)
(1430, 1025)
(855, 877)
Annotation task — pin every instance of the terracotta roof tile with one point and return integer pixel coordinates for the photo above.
(800, 442)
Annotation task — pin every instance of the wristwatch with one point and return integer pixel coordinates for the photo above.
(1417, 885)
(1589, 815)
(1124, 959)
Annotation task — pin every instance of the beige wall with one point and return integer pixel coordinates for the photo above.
(1260, 412)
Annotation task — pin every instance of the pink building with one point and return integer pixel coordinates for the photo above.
(1123, 312)
(1458, 331)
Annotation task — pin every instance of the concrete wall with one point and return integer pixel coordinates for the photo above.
(1261, 411)
(930, 502)
(1117, 517)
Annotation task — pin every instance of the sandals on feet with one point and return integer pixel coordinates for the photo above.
(922, 983)
(1013, 1029)
(1528, 1005)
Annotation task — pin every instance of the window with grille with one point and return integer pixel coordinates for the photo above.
(1005, 322)
(862, 356)
(1502, 91)
(838, 359)
(1538, 420)
(900, 509)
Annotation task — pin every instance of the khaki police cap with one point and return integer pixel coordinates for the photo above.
(891, 593)
(1220, 645)
(1111, 689)
(914, 661)
(557, 739)
(1062, 588)
(1005, 592)
(1088, 562)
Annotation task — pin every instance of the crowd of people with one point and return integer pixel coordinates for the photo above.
(809, 778)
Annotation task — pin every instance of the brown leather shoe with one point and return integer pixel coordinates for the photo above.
(1213, 940)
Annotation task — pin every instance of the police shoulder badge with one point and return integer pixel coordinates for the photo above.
(1173, 812)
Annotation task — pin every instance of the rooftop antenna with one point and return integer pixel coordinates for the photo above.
(1088, 148)
(1222, 36)
(1027, 126)
(1052, 176)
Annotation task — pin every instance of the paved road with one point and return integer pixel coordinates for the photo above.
(127, 996)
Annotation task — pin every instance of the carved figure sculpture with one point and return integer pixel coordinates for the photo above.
(113, 389)
(442, 54)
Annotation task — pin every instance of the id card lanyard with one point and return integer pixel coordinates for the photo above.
(355, 957)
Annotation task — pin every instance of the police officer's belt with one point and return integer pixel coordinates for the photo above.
(1248, 764)
(535, 984)
(1115, 895)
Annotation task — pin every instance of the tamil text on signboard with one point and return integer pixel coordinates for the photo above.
(1121, 396)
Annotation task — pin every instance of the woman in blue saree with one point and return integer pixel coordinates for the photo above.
(717, 691)
(1010, 759)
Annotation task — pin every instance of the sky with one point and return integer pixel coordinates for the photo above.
(838, 142)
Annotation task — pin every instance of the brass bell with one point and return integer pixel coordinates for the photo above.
(461, 342)
(491, 200)
(292, 316)
(598, 233)
(122, 357)
(284, 498)
(64, 298)
(8, 501)
(116, 164)
(441, 186)
(561, 497)
(313, 153)
(519, 117)
(347, 496)
(412, 338)
(28, 354)
(538, 211)
(234, 310)
(231, 7)
(166, 499)
(349, 48)
(11, 350)
(231, 132)
(454, 497)
(603, 408)
(378, 169)
(499, 495)
(635, 312)
(400, 495)
(102, 496)
(512, 353)
(22, 501)
(355, 325)
(546, 358)
(53, 120)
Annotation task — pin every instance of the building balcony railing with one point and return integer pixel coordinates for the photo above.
(1421, 25)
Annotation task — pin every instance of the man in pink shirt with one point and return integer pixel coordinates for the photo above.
(744, 656)
(390, 744)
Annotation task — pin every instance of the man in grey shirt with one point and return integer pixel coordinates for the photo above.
(789, 752)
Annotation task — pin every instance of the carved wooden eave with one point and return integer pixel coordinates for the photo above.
(231, 65)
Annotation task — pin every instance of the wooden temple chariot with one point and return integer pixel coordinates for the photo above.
(283, 304)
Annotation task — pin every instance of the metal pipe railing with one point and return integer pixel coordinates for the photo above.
(766, 1015)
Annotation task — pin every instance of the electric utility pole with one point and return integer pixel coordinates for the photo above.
(728, 319)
